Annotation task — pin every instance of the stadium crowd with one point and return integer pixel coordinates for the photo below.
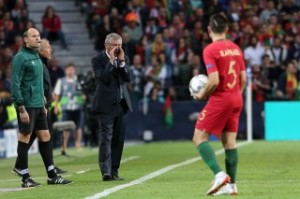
(164, 40)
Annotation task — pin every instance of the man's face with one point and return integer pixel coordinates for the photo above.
(70, 71)
(113, 44)
(33, 39)
(46, 50)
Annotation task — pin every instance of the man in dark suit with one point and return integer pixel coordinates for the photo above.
(111, 103)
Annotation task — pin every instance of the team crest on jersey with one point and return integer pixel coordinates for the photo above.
(208, 66)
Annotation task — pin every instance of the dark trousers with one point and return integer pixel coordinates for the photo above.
(112, 136)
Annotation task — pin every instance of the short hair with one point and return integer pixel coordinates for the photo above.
(70, 65)
(112, 36)
(25, 33)
(218, 23)
(43, 43)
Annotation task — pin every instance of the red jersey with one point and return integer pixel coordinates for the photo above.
(222, 111)
(227, 59)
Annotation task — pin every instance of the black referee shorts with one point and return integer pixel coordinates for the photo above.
(37, 121)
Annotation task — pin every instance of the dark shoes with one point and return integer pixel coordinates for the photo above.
(117, 178)
(29, 183)
(108, 177)
(59, 171)
(58, 180)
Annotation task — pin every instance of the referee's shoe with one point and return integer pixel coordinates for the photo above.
(58, 180)
(29, 183)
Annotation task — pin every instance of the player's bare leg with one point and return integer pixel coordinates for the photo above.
(78, 135)
(207, 153)
(66, 136)
(231, 161)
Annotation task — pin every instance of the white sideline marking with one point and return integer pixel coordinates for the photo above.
(129, 158)
(12, 189)
(78, 172)
(153, 175)
(83, 171)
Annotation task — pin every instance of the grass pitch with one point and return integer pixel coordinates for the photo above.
(266, 170)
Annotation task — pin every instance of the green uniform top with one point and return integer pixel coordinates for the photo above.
(27, 79)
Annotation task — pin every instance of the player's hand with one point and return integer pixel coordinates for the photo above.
(45, 110)
(199, 96)
(24, 117)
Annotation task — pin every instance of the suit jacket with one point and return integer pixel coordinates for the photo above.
(109, 79)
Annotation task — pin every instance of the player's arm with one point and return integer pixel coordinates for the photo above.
(243, 80)
(210, 87)
(243, 77)
(209, 57)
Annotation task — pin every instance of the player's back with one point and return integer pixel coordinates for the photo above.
(225, 57)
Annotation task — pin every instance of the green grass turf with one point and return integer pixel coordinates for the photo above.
(266, 170)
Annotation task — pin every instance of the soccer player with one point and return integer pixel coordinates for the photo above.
(220, 117)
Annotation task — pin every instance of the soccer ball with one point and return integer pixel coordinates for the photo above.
(197, 83)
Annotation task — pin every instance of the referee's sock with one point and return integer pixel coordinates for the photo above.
(47, 156)
(32, 138)
(23, 159)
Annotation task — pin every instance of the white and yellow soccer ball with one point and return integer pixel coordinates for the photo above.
(197, 83)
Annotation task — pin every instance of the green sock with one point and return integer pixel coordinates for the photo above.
(208, 155)
(231, 161)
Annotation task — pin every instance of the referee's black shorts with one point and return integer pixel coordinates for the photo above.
(37, 121)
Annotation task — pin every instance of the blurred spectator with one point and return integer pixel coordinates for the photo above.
(260, 85)
(155, 73)
(18, 43)
(254, 52)
(7, 26)
(133, 28)
(116, 21)
(294, 51)
(157, 93)
(269, 70)
(151, 28)
(138, 79)
(168, 40)
(55, 71)
(68, 92)
(52, 28)
(184, 70)
(176, 27)
(277, 52)
(196, 37)
(288, 82)
(162, 18)
(164, 64)
(101, 31)
(288, 6)
(180, 53)
(6, 55)
(268, 11)
(140, 48)
(2, 8)
(157, 47)
(127, 46)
